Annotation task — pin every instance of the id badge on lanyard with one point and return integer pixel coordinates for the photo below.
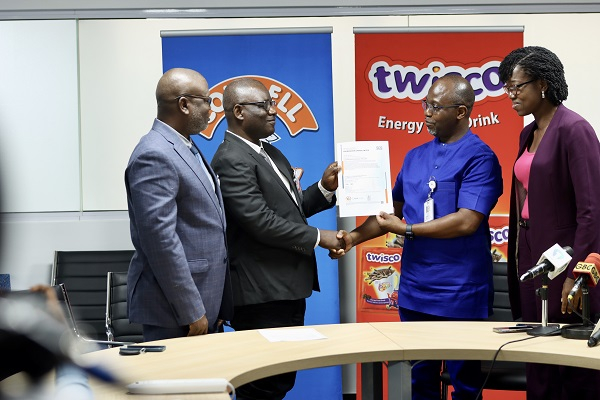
(428, 206)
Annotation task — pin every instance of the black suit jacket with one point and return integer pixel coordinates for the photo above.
(271, 246)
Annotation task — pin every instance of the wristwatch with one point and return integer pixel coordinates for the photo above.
(409, 233)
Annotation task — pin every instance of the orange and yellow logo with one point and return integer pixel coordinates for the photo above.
(292, 110)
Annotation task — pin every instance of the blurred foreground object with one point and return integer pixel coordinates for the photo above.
(34, 339)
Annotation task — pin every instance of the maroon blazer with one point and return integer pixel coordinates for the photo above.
(564, 201)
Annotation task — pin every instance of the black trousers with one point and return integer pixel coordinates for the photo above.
(274, 314)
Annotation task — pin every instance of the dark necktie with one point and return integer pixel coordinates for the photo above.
(264, 155)
(196, 153)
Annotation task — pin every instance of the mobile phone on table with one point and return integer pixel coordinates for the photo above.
(124, 351)
(514, 328)
(134, 350)
(149, 349)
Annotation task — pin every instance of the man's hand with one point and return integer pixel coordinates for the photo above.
(52, 303)
(330, 177)
(391, 223)
(330, 240)
(565, 307)
(346, 245)
(199, 327)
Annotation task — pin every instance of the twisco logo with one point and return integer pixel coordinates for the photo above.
(382, 258)
(398, 81)
(292, 110)
(499, 236)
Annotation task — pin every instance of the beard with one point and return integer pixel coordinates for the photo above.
(198, 122)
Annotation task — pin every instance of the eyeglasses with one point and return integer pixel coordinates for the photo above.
(266, 104)
(516, 89)
(435, 109)
(205, 98)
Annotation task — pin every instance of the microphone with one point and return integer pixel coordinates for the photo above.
(553, 261)
(586, 272)
(595, 336)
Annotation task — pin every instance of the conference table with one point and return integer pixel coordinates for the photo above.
(244, 356)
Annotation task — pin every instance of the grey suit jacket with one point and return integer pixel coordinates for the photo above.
(179, 271)
(271, 245)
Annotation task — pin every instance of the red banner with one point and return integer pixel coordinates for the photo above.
(394, 72)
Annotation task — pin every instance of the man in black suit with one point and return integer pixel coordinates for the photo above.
(271, 246)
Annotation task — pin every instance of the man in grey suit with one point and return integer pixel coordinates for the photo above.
(273, 264)
(178, 282)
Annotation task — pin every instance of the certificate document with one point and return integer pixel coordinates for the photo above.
(364, 182)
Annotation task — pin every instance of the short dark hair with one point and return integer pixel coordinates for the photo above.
(237, 88)
(538, 63)
(462, 91)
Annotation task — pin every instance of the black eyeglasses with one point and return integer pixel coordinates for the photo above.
(436, 109)
(516, 89)
(266, 104)
(205, 98)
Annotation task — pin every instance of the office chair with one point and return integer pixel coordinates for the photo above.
(118, 326)
(63, 298)
(84, 273)
(505, 375)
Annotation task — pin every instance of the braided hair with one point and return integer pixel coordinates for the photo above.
(538, 63)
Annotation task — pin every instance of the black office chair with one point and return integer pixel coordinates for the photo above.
(84, 273)
(505, 375)
(63, 298)
(118, 326)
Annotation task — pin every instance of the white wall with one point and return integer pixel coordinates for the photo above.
(31, 239)
(117, 91)
(39, 129)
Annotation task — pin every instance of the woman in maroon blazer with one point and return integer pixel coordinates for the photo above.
(555, 198)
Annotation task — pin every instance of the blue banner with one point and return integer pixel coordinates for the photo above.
(296, 69)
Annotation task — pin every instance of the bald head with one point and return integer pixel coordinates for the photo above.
(457, 90)
(240, 91)
(247, 110)
(454, 98)
(178, 81)
(180, 103)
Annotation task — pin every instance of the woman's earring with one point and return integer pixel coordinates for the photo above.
(543, 95)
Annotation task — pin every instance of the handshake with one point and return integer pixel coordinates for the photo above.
(337, 242)
(340, 242)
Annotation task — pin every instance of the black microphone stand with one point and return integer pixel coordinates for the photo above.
(584, 330)
(544, 329)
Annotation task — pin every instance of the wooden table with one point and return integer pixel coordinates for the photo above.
(241, 357)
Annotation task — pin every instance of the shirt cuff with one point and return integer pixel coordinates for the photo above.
(326, 193)
(318, 238)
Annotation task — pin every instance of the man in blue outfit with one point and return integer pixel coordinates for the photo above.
(445, 192)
